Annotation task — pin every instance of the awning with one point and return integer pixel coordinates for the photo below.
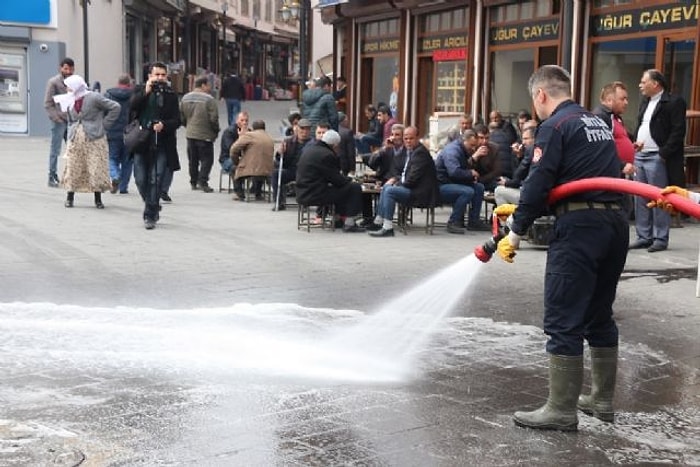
(327, 3)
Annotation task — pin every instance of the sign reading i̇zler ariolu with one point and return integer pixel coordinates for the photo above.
(675, 15)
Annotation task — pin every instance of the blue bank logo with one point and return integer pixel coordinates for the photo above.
(26, 12)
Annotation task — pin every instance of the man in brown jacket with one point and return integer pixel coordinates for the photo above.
(59, 123)
(252, 154)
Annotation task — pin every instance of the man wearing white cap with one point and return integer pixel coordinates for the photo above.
(319, 181)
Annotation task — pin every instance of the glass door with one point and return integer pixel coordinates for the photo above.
(678, 66)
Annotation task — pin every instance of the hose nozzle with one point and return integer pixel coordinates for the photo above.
(484, 252)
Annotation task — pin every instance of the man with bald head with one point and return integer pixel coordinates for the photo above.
(415, 185)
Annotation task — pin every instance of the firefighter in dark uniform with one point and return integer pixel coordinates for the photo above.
(586, 254)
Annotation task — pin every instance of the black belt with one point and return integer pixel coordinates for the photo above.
(584, 205)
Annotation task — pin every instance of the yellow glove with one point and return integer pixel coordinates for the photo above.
(675, 189)
(507, 245)
(504, 211)
(661, 203)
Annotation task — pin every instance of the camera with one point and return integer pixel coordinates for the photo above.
(43, 48)
(159, 87)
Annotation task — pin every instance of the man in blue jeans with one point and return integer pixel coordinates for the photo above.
(459, 184)
(55, 86)
(157, 108)
(416, 185)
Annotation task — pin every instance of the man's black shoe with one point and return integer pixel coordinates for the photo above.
(455, 229)
(281, 207)
(206, 188)
(656, 247)
(639, 244)
(165, 197)
(352, 228)
(150, 224)
(194, 186)
(372, 227)
(53, 183)
(478, 226)
(382, 233)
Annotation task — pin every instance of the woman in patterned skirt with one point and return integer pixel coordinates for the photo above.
(86, 167)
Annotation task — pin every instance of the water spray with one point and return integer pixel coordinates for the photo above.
(485, 252)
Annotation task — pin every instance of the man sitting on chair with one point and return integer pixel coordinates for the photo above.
(417, 185)
(252, 154)
(319, 181)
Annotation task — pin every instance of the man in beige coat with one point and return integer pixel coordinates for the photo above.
(252, 154)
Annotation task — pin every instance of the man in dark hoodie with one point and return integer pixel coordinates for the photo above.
(319, 105)
(120, 161)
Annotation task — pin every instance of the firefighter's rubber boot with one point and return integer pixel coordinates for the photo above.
(559, 412)
(603, 375)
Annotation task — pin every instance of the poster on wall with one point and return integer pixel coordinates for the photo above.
(13, 101)
(29, 13)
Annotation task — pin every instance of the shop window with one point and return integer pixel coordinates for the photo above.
(609, 3)
(678, 66)
(165, 40)
(451, 87)
(256, 9)
(510, 72)
(385, 82)
(527, 10)
(625, 61)
(444, 21)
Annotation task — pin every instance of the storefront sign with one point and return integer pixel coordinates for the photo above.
(449, 55)
(647, 19)
(430, 44)
(28, 12)
(525, 32)
(380, 46)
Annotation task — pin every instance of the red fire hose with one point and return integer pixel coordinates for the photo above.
(684, 205)
(621, 185)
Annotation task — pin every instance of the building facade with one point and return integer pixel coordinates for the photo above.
(477, 55)
(110, 37)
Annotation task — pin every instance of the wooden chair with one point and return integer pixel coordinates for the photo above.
(405, 217)
(305, 213)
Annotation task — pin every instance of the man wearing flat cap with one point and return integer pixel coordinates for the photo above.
(286, 161)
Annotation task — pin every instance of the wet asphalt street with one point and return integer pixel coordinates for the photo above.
(226, 337)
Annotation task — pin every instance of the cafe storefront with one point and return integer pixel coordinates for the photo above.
(625, 42)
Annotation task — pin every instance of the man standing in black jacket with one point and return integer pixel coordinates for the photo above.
(233, 93)
(659, 157)
(156, 106)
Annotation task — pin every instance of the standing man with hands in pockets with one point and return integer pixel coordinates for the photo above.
(156, 107)
(585, 257)
(659, 157)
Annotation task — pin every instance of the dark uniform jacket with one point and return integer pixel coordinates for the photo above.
(421, 178)
(346, 150)
(167, 111)
(667, 127)
(570, 145)
(318, 172)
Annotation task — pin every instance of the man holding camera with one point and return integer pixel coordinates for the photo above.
(156, 106)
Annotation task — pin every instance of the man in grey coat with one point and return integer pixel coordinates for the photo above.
(199, 112)
(55, 86)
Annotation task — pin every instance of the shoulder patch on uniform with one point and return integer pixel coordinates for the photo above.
(537, 154)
